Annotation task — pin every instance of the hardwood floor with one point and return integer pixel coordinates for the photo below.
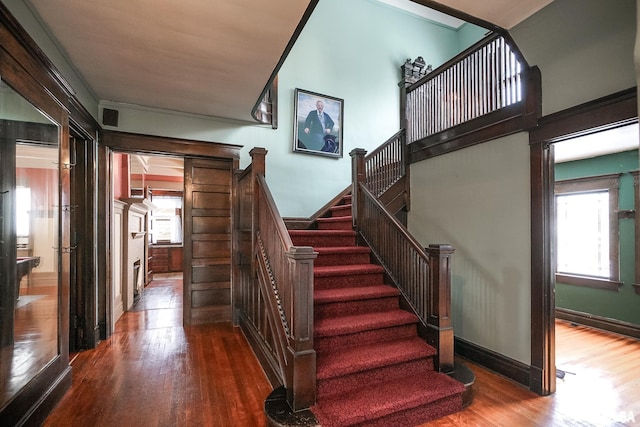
(601, 390)
(154, 372)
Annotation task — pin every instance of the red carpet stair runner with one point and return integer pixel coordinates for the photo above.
(372, 368)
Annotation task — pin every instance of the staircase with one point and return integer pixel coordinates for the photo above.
(372, 367)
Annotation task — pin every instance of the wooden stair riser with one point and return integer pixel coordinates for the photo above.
(371, 377)
(344, 308)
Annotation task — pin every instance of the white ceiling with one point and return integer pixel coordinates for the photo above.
(157, 165)
(503, 13)
(206, 57)
(209, 57)
(598, 144)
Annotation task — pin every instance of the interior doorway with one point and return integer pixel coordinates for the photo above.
(207, 217)
(595, 236)
(610, 112)
(147, 225)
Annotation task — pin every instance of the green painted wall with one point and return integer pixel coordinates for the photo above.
(584, 49)
(469, 34)
(622, 305)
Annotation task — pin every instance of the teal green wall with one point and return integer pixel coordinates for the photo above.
(350, 50)
(622, 305)
(469, 34)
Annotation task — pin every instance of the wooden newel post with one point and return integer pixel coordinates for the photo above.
(439, 329)
(258, 160)
(258, 167)
(358, 175)
(301, 390)
(411, 73)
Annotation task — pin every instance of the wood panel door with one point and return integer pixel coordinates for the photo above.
(207, 241)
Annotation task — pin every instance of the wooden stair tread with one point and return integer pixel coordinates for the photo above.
(362, 322)
(372, 356)
(345, 270)
(324, 296)
(390, 397)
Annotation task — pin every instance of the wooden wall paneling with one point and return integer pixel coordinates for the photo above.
(207, 250)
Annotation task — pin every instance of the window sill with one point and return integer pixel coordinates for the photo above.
(589, 282)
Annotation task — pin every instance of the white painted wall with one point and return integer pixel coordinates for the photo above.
(117, 248)
(477, 199)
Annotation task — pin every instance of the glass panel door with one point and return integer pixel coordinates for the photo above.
(29, 242)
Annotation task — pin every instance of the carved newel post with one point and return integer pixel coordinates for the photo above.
(439, 329)
(411, 73)
(358, 175)
(258, 167)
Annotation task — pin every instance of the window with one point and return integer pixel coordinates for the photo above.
(166, 218)
(23, 209)
(587, 231)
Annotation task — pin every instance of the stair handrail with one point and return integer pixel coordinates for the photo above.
(284, 273)
(423, 275)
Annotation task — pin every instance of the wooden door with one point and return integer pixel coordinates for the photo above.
(207, 241)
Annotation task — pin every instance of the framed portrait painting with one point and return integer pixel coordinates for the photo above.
(317, 125)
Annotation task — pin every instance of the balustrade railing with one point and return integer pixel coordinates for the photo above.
(274, 283)
(422, 275)
(487, 77)
(386, 165)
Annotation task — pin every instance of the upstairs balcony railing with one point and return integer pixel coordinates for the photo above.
(487, 84)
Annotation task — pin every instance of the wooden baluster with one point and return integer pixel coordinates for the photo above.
(439, 329)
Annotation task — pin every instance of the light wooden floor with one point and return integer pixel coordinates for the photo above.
(154, 372)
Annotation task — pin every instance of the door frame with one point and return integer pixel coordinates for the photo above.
(609, 112)
(147, 144)
(82, 293)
